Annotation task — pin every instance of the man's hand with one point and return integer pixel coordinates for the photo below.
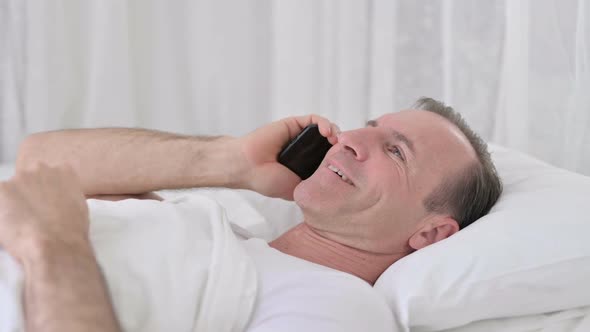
(42, 204)
(44, 224)
(262, 172)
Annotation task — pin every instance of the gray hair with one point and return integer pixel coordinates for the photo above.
(472, 191)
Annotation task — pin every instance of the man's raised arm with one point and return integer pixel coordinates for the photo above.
(135, 161)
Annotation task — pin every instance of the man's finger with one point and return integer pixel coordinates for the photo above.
(326, 128)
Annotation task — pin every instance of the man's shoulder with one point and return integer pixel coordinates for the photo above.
(336, 301)
(297, 295)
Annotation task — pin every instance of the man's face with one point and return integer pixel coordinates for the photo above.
(389, 168)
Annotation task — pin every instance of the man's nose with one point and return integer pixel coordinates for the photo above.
(357, 142)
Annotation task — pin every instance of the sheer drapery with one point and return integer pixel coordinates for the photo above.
(518, 70)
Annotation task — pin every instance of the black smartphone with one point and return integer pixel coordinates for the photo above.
(304, 154)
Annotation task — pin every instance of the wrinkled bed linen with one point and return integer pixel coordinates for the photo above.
(170, 266)
(572, 320)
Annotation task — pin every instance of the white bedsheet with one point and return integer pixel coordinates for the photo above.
(170, 266)
(573, 320)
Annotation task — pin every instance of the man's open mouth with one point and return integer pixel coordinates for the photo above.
(342, 175)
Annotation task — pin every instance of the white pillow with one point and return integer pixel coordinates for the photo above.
(529, 255)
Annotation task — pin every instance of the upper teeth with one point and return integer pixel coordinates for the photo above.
(339, 172)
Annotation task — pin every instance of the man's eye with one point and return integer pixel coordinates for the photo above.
(397, 152)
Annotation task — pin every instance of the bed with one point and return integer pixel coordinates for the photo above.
(523, 267)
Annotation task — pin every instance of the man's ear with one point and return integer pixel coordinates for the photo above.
(436, 229)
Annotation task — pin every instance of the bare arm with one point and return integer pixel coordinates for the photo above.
(44, 225)
(65, 290)
(136, 161)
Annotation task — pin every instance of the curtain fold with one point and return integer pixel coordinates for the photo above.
(517, 70)
(12, 66)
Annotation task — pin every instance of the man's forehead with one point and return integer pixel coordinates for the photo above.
(408, 122)
(417, 122)
(406, 114)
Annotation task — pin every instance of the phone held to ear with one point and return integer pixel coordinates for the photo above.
(304, 154)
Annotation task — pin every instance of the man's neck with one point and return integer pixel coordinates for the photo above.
(303, 242)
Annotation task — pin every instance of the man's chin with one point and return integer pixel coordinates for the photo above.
(300, 194)
(313, 199)
(307, 196)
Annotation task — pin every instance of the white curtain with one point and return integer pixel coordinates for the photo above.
(519, 70)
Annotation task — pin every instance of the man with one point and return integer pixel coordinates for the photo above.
(403, 182)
